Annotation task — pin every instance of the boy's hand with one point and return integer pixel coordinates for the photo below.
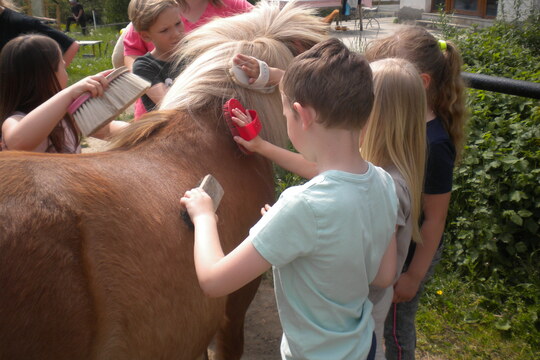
(249, 65)
(265, 209)
(242, 120)
(198, 204)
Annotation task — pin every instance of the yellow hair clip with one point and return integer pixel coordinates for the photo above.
(442, 45)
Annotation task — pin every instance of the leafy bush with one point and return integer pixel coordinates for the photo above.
(494, 216)
(116, 11)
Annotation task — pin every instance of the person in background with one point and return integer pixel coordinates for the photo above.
(34, 98)
(77, 15)
(157, 21)
(439, 64)
(13, 24)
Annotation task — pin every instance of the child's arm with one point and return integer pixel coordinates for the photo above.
(251, 67)
(288, 160)
(157, 92)
(388, 267)
(218, 274)
(30, 131)
(111, 129)
(435, 209)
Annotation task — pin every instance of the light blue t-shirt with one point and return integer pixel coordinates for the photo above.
(325, 240)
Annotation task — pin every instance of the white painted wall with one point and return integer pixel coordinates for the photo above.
(37, 7)
(424, 5)
(507, 9)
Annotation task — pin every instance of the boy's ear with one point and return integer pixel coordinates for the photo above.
(145, 36)
(306, 113)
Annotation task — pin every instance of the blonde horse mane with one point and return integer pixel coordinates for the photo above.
(267, 33)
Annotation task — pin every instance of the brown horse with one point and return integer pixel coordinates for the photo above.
(95, 260)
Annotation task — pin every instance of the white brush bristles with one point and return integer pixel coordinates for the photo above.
(96, 112)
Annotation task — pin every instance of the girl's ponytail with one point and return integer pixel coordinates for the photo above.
(450, 102)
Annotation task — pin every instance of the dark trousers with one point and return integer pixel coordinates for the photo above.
(81, 22)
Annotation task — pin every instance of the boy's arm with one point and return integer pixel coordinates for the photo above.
(388, 266)
(435, 209)
(288, 160)
(219, 275)
(157, 92)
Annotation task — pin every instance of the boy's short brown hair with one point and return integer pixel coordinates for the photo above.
(143, 13)
(336, 82)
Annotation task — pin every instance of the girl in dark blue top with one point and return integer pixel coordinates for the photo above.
(439, 64)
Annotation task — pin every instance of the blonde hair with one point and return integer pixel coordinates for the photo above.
(143, 13)
(396, 130)
(446, 91)
(267, 33)
(9, 4)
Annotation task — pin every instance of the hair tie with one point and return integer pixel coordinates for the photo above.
(442, 45)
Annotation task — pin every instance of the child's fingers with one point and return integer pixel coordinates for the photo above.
(238, 121)
(265, 209)
(245, 117)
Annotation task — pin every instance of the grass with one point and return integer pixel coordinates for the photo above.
(83, 66)
(453, 323)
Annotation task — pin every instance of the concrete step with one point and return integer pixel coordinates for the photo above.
(459, 20)
(431, 24)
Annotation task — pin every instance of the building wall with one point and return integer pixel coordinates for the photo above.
(516, 9)
(507, 9)
(424, 5)
(37, 7)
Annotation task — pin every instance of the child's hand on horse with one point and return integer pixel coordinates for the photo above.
(265, 209)
(198, 204)
(249, 65)
(242, 119)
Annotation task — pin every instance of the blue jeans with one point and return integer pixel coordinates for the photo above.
(399, 327)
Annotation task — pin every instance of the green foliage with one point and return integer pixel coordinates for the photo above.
(493, 232)
(116, 11)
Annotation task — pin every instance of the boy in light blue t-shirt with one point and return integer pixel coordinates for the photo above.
(324, 239)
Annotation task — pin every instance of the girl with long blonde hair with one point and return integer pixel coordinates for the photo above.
(395, 139)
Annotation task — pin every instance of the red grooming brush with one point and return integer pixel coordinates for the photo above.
(247, 132)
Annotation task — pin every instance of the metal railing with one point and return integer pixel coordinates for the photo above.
(502, 85)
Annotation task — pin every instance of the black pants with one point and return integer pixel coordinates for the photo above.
(81, 22)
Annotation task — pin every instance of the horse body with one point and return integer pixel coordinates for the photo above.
(95, 259)
(128, 293)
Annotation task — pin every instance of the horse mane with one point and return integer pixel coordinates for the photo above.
(266, 32)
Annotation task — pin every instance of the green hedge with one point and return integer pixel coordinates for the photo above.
(493, 231)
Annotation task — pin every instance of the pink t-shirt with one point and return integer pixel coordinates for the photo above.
(135, 45)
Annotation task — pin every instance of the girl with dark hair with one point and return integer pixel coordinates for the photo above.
(34, 98)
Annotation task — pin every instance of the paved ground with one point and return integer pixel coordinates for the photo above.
(356, 39)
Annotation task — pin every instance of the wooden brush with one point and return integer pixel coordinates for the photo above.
(92, 113)
(214, 189)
